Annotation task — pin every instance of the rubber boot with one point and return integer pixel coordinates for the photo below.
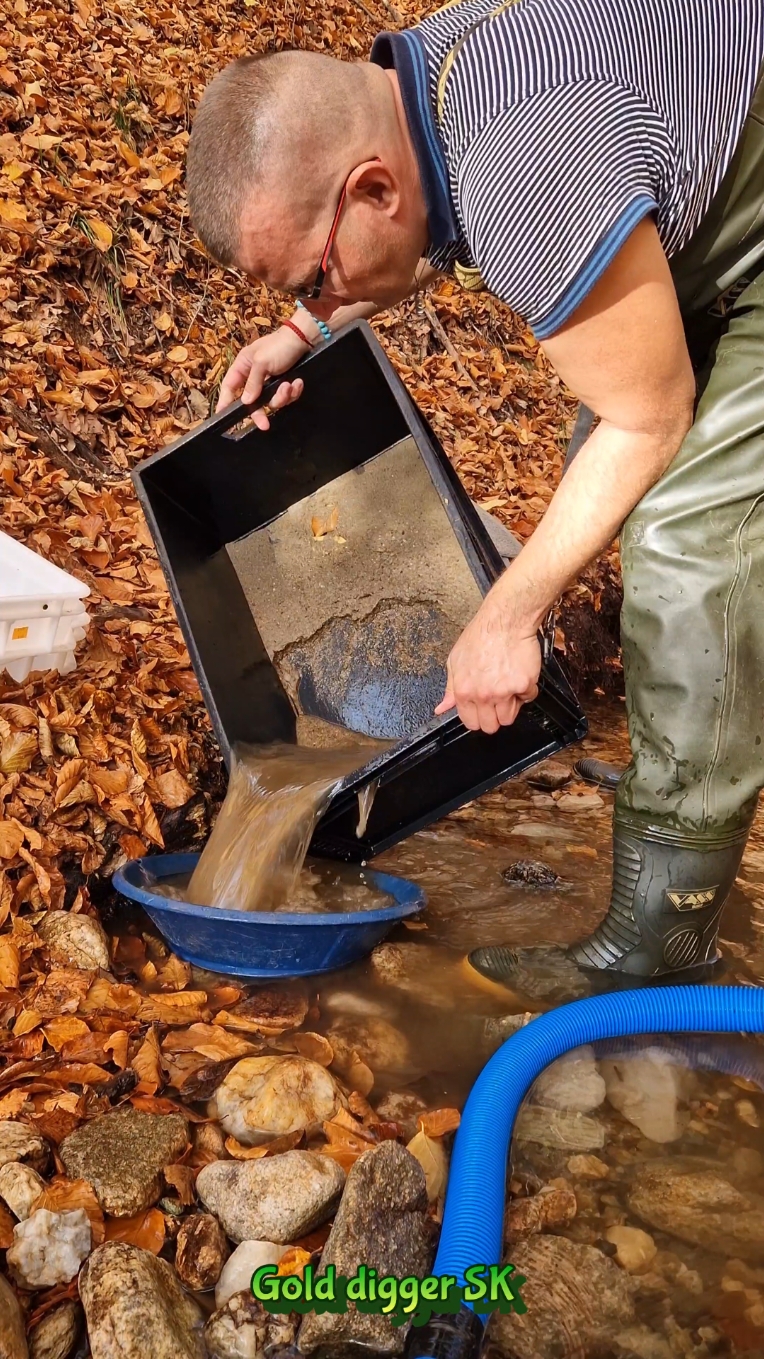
(666, 903)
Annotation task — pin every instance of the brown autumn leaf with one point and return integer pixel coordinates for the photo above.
(7, 1224)
(209, 1041)
(293, 1261)
(270, 1011)
(182, 1179)
(180, 1007)
(105, 995)
(145, 1230)
(321, 527)
(174, 974)
(18, 715)
(63, 992)
(11, 839)
(14, 1103)
(314, 1046)
(64, 1196)
(173, 789)
(17, 752)
(9, 962)
(116, 1047)
(273, 1148)
(147, 1064)
(438, 1122)
(63, 1029)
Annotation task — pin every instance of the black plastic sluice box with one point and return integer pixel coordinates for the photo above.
(321, 572)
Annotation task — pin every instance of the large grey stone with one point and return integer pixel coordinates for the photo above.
(576, 1299)
(13, 1342)
(277, 1198)
(123, 1154)
(700, 1207)
(135, 1307)
(381, 1222)
(572, 1082)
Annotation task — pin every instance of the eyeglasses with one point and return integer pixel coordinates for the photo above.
(314, 291)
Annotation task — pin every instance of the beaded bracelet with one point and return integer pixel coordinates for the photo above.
(323, 327)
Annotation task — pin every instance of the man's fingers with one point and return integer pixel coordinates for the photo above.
(506, 711)
(446, 703)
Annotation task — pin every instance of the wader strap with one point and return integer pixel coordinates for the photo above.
(729, 243)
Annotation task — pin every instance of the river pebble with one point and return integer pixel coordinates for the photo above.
(278, 1198)
(48, 1248)
(635, 1250)
(135, 1307)
(201, 1251)
(263, 1097)
(55, 1336)
(74, 940)
(122, 1154)
(20, 1186)
(238, 1269)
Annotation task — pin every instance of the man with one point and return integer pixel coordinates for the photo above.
(598, 165)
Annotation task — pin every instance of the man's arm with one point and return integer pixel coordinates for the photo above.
(624, 355)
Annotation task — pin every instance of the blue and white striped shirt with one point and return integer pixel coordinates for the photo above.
(564, 123)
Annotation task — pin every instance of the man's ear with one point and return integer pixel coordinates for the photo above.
(377, 185)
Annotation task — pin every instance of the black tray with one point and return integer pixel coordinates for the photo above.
(215, 486)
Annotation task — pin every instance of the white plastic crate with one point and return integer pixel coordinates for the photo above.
(42, 617)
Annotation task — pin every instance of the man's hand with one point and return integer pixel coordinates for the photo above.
(265, 358)
(492, 670)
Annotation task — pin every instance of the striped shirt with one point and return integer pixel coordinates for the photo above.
(563, 124)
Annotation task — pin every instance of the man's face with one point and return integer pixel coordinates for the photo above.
(375, 250)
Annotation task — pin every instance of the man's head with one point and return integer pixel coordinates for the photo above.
(274, 141)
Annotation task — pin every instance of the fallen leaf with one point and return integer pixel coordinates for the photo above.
(314, 1046)
(210, 1041)
(12, 1104)
(431, 1156)
(64, 1196)
(147, 1064)
(63, 992)
(273, 1148)
(145, 1230)
(182, 1179)
(182, 1007)
(63, 1030)
(293, 1261)
(17, 752)
(7, 1224)
(117, 1045)
(173, 789)
(321, 527)
(438, 1122)
(9, 963)
(11, 839)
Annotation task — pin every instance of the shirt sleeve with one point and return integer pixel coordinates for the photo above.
(552, 187)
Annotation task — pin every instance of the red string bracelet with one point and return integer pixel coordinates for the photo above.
(297, 331)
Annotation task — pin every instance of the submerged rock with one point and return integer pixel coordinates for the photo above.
(242, 1329)
(122, 1154)
(416, 970)
(381, 1222)
(278, 1198)
(403, 1107)
(546, 1211)
(74, 940)
(264, 1097)
(13, 1341)
(558, 1128)
(635, 1250)
(20, 1186)
(700, 1207)
(572, 1082)
(647, 1090)
(201, 1251)
(530, 873)
(20, 1143)
(576, 1298)
(551, 774)
(237, 1271)
(135, 1308)
(378, 1043)
(55, 1336)
(48, 1248)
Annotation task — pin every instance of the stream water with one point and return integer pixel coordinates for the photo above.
(623, 1124)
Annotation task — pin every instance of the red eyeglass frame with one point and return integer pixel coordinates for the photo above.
(315, 291)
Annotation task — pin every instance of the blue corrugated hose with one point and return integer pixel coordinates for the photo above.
(473, 1219)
